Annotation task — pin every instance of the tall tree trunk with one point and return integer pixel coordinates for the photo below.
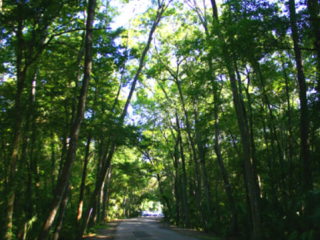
(201, 152)
(175, 157)
(245, 139)
(83, 180)
(184, 175)
(250, 129)
(176, 181)
(313, 9)
(188, 129)
(95, 217)
(62, 212)
(234, 223)
(108, 155)
(165, 199)
(289, 131)
(304, 114)
(270, 165)
(194, 153)
(272, 124)
(53, 159)
(66, 172)
(24, 162)
(124, 203)
(107, 210)
(106, 195)
(217, 213)
(217, 131)
(21, 76)
(63, 152)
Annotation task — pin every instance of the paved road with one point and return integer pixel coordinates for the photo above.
(146, 229)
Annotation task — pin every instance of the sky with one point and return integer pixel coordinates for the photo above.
(127, 11)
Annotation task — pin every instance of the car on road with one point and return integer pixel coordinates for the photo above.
(152, 214)
(146, 214)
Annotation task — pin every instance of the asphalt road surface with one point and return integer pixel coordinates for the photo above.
(146, 229)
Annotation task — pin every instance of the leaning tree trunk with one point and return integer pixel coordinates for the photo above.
(66, 172)
(245, 139)
(108, 156)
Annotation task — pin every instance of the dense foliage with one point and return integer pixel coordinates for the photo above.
(210, 107)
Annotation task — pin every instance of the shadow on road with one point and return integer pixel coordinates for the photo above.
(140, 223)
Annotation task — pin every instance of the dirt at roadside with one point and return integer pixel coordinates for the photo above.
(104, 233)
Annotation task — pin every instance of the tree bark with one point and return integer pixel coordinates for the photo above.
(21, 76)
(83, 180)
(66, 172)
(245, 139)
(313, 9)
(194, 153)
(289, 131)
(272, 124)
(249, 123)
(304, 114)
(176, 181)
(202, 156)
(234, 222)
(62, 212)
(106, 195)
(25, 161)
(184, 175)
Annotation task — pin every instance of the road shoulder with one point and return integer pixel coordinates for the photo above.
(189, 232)
(104, 233)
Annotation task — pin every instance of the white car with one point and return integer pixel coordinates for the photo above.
(145, 214)
(157, 214)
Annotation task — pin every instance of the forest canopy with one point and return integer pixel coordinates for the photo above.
(206, 110)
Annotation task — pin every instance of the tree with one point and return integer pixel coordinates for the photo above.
(74, 134)
(206, 111)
